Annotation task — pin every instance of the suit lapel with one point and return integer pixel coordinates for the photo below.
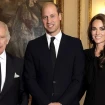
(46, 52)
(9, 75)
(45, 45)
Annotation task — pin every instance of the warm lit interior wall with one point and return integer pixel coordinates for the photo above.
(98, 6)
(71, 20)
(84, 21)
(70, 17)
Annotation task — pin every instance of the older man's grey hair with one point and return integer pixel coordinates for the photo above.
(2, 24)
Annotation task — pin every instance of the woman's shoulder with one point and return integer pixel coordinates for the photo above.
(89, 53)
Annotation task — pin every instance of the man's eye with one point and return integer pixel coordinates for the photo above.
(44, 17)
(52, 16)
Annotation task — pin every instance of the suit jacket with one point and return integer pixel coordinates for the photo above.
(61, 84)
(94, 80)
(13, 92)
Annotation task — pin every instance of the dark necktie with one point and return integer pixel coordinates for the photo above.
(0, 77)
(52, 51)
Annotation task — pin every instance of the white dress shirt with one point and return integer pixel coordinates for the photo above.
(56, 41)
(3, 68)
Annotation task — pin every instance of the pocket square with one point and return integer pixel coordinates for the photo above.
(16, 75)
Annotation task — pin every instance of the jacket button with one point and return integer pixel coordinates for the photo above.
(54, 81)
(52, 94)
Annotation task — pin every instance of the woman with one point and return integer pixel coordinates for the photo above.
(95, 62)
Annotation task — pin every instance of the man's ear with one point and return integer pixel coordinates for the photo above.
(8, 39)
(60, 16)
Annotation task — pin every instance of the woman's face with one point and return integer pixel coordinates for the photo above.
(98, 32)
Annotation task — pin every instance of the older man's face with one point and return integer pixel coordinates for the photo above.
(3, 39)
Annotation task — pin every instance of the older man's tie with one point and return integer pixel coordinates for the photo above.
(52, 51)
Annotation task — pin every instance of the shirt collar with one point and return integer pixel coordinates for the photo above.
(3, 55)
(57, 37)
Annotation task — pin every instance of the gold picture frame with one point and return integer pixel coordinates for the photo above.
(90, 16)
(60, 3)
(24, 22)
(90, 9)
(84, 15)
(79, 13)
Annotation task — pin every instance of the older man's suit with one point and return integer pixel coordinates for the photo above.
(13, 92)
(61, 84)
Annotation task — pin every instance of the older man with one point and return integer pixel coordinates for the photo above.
(11, 85)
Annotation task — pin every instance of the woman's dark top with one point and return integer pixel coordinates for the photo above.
(94, 80)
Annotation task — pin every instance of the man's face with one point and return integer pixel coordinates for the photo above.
(51, 19)
(3, 39)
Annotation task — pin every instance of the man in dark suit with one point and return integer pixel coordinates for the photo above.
(54, 81)
(11, 68)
